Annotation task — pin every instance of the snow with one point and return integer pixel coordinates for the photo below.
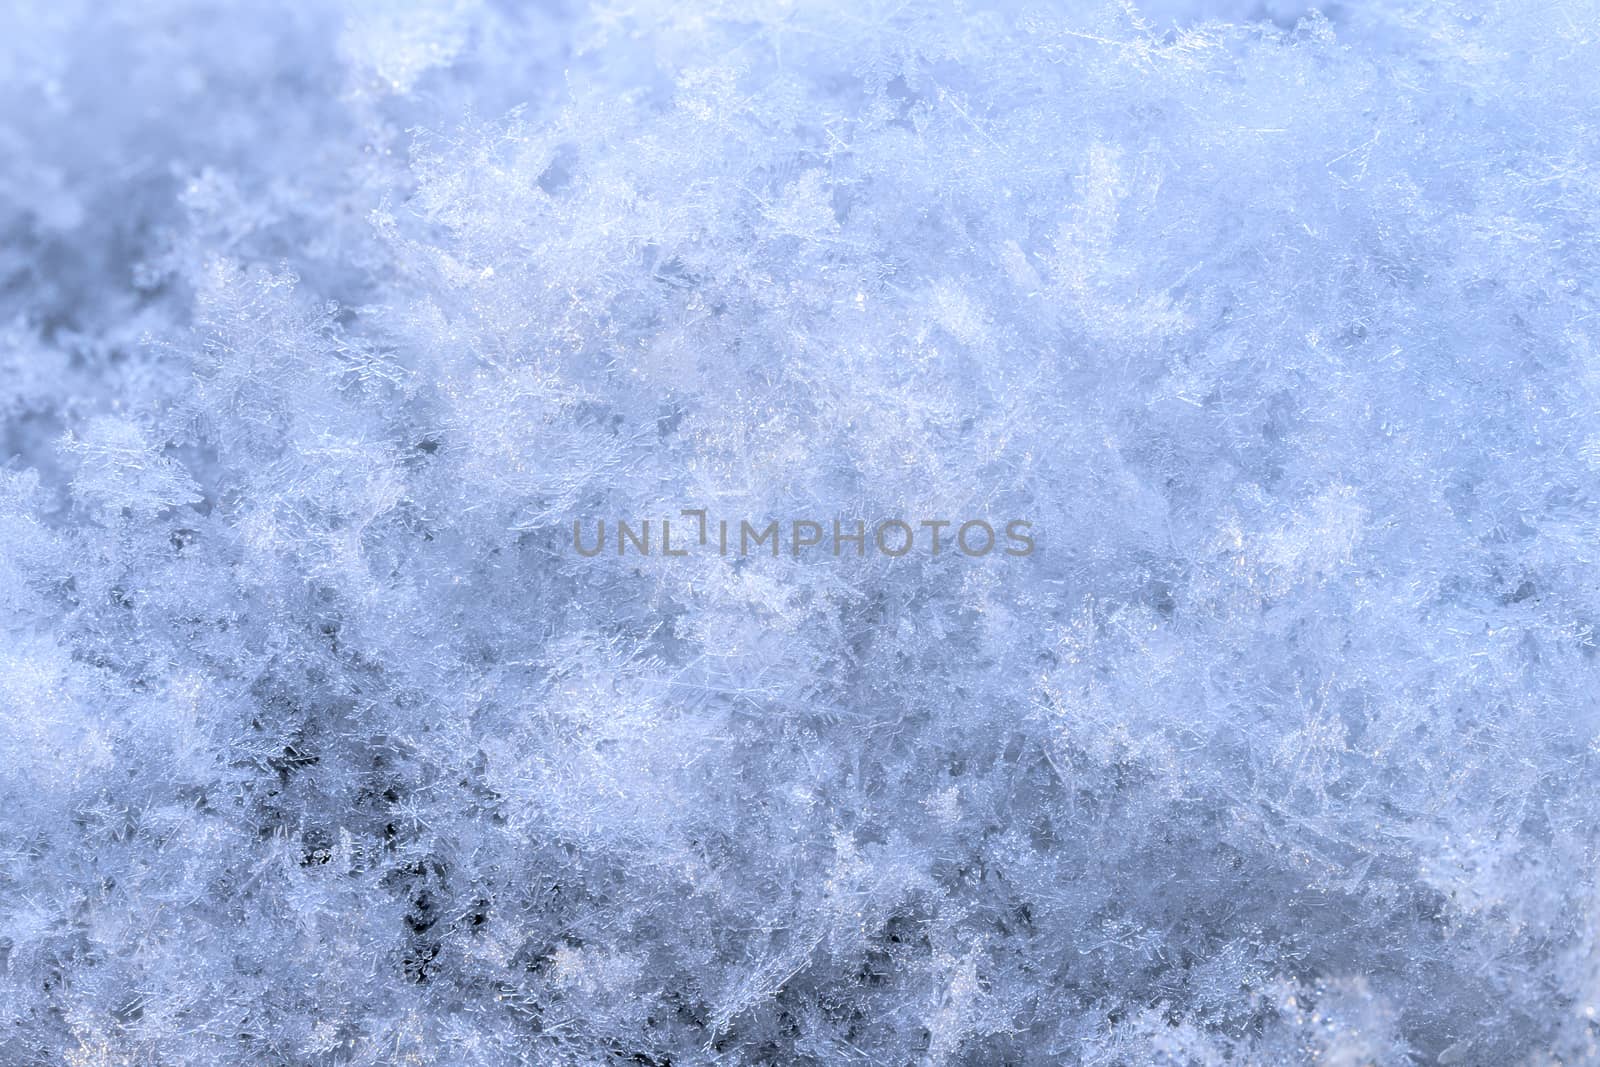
(322, 323)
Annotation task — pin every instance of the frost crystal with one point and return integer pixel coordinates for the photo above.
(323, 323)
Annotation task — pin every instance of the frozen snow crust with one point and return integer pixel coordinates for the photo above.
(321, 324)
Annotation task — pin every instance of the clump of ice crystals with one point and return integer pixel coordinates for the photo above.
(320, 323)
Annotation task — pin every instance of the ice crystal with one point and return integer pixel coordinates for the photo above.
(322, 323)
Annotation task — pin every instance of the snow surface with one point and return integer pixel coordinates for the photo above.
(321, 322)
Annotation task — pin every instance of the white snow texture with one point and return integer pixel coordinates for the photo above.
(322, 322)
